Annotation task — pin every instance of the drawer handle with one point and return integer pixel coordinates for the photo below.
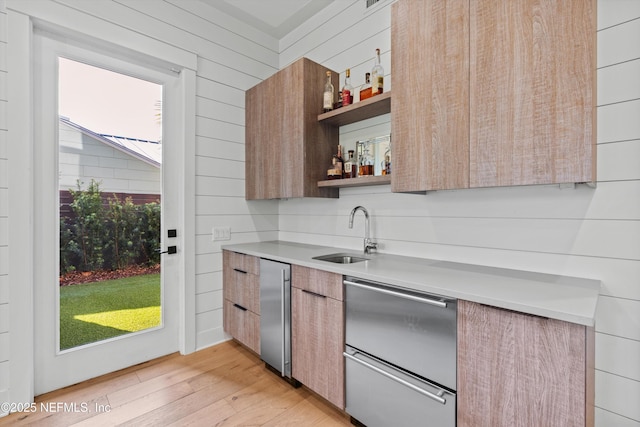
(313, 293)
(240, 307)
(430, 301)
(437, 397)
(239, 271)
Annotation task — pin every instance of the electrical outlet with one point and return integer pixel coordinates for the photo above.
(220, 233)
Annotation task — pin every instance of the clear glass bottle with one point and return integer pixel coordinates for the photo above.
(365, 89)
(328, 94)
(350, 166)
(377, 76)
(347, 89)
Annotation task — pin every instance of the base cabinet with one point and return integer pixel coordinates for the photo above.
(516, 369)
(241, 290)
(317, 318)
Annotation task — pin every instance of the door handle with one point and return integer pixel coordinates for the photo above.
(170, 250)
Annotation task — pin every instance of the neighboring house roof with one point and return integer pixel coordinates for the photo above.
(148, 151)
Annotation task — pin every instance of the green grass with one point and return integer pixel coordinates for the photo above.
(96, 311)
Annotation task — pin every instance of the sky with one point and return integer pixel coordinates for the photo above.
(107, 102)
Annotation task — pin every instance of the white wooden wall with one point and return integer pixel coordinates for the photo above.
(4, 215)
(580, 232)
(83, 158)
(231, 59)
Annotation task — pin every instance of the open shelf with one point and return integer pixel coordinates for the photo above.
(361, 181)
(374, 106)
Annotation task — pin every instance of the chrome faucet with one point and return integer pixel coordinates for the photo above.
(369, 244)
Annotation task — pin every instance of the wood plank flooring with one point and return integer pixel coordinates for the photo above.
(224, 385)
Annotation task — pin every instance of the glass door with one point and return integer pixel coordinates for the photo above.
(105, 298)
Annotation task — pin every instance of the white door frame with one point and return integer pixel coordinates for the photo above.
(22, 240)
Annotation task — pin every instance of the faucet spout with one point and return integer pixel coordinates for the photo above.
(369, 245)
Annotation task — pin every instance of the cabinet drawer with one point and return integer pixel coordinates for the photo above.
(242, 324)
(317, 281)
(241, 262)
(241, 288)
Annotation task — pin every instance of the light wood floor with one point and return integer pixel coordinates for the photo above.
(225, 385)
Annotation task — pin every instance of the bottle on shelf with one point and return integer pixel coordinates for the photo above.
(365, 89)
(329, 94)
(337, 165)
(350, 166)
(347, 89)
(377, 76)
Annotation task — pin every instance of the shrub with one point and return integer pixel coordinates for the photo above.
(108, 236)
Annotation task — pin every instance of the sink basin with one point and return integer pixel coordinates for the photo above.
(341, 258)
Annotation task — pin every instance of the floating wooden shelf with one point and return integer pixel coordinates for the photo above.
(361, 181)
(374, 106)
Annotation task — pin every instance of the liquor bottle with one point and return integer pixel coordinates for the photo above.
(365, 89)
(339, 161)
(328, 94)
(350, 166)
(347, 90)
(377, 76)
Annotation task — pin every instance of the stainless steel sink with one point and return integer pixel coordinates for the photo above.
(341, 258)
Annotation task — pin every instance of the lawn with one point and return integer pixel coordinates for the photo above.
(96, 311)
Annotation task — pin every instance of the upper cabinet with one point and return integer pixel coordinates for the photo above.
(286, 148)
(492, 93)
(430, 106)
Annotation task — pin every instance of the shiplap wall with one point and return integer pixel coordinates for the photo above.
(579, 232)
(4, 215)
(231, 58)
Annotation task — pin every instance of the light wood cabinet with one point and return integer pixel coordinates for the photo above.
(532, 88)
(516, 369)
(430, 105)
(317, 318)
(287, 150)
(241, 291)
(492, 93)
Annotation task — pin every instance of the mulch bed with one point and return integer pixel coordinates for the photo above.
(78, 277)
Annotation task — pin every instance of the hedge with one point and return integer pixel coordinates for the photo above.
(108, 237)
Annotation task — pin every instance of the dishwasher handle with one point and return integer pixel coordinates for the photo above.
(411, 297)
(437, 397)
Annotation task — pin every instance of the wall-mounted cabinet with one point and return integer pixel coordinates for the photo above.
(492, 93)
(286, 147)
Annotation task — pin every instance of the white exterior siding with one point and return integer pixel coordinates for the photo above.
(579, 232)
(83, 158)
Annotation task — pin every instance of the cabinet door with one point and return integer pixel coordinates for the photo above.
(516, 369)
(429, 109)
(317, 344)
(287, 151)
(317, 334)
(263, 143)
(532, 92)
(242, 324)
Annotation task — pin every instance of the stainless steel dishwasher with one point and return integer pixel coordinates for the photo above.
(400, 356)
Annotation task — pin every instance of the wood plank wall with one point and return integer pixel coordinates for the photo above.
(580, 232)
(4, 214)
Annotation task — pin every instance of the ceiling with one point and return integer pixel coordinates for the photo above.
(274, 17)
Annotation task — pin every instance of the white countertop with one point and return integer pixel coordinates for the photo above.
(565, 298)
